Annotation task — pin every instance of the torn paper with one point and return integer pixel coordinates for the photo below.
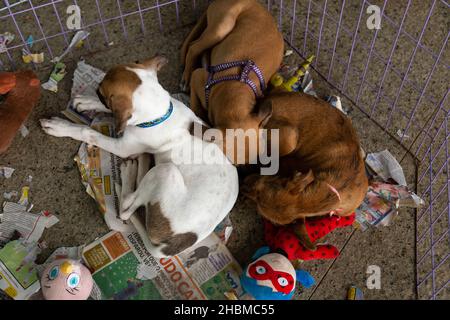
(28, 57)
(30, 226)
(58, 73)
(79, 36)
(18, 274)
(86, 79)
(401, 134)
(5, 39)
(382, 202)
(10, 195)
(146, 272)
(124, 270)
(24, 131)
(6, 172)
(386, 166)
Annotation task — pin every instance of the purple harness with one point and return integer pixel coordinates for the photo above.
(247, 67)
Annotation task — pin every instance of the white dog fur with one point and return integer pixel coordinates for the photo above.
(195, 196)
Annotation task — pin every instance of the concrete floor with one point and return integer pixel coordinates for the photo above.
(56, 183)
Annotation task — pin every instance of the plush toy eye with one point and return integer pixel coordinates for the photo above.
(73, 280)
(260, 270)
(53, 273)
(282, 281)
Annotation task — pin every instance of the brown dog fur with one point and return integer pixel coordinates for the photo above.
(23, 93)
(232, 30)
(318, 146)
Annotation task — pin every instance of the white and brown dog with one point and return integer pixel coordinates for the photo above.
(192, 186)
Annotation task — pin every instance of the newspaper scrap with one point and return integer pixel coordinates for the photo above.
(382, 202)
(335, 101)
(24, 131)
(224, 230)
(77, 38)
(5, 39)
(18, 274)
(86, 79)
(124, 270)
(10, 195)
(387, 192)
(28, 57)
(31, 226)
(6, 172)
(386, 166)
(58, 73)
(59, 70)
(100, 171)
(401, 133)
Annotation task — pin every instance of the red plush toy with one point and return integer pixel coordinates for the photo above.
(286, 239)
(22, 91)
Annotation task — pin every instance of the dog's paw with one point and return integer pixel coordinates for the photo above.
(128, 172)
(127, 207)
(57, 127)
(86, 103)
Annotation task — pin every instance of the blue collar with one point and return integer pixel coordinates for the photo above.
(160, 120)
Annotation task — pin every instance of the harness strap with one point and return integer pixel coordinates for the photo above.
(247, 67)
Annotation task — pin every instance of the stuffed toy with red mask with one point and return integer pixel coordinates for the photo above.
(271, 276)
(298, 242)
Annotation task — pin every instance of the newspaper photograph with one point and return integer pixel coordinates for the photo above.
(124, 270)
(18, 274)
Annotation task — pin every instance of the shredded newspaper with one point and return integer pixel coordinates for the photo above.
(31, 226)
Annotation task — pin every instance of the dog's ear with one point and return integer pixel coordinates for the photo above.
(156, 63)
(122, 108)
(299, 182)
(264, 112)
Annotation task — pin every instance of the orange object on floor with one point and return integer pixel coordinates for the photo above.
(22, 91)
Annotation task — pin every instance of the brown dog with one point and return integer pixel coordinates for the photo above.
(233, 30)
(321, 165)
(22, 91)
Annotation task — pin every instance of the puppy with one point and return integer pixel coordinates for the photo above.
(192, 186)
(232, 31)
(23, 93)
(321, 167)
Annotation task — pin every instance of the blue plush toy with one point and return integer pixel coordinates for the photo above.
(271, 276)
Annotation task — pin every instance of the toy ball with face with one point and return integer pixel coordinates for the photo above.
(66, 280)
(271, 276)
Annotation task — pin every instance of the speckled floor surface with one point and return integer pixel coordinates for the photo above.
(56, 183)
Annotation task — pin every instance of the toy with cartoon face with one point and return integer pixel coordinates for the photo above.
(66, 280)
(271, 276)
